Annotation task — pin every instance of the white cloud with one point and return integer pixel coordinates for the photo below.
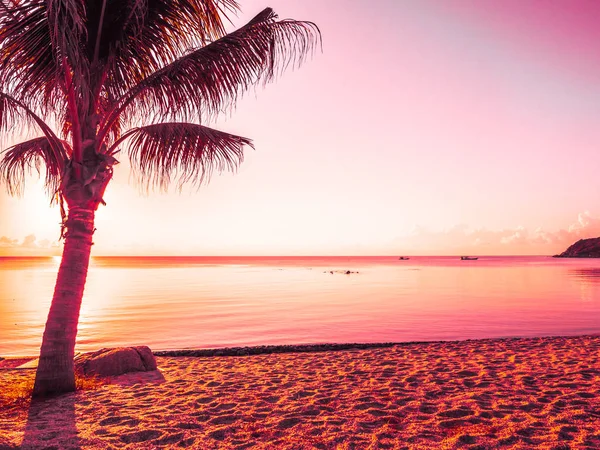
(7, 242)
(29, 241)
(28, 245)
(519, 240)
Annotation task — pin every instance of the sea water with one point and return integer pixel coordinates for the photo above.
(208, 302)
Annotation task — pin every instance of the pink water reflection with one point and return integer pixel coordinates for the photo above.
(214, 302)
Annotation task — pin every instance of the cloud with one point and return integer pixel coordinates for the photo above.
(29, 243)
(463, 239)
(519, 236)
(7, 242)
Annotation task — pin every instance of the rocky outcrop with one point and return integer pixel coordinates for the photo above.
(583, 248)
(116, 361)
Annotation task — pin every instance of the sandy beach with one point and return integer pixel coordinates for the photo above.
(513, 393)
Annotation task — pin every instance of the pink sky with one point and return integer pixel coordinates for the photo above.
(429, 127)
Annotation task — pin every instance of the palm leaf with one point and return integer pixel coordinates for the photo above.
(21, 159)
(206, 80)
(66, 21)
(181, 152)
(133, 38)
(28, 66)
(12, 118)
(14, 113)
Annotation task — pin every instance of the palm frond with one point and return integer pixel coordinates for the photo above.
(205, 80)
(12, 118)
(20, 160)
(67, 26)
(14, 113)
(181, 152)
(28, 66)
(130, 39)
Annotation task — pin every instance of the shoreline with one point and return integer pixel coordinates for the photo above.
(267, 349)
(334, 347)
(539, 392)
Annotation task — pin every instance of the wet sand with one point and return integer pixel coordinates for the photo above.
(509, 394)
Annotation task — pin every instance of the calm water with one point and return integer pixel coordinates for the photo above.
(213, 302)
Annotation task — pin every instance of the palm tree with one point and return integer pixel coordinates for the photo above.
(98, 77)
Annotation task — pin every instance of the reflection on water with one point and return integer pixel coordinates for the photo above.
(586, 274)
(213, 302)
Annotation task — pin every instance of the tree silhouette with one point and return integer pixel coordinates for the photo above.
(101, 79)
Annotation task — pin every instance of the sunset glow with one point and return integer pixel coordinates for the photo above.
(443, 128)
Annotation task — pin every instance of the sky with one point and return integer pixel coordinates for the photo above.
(425, 127)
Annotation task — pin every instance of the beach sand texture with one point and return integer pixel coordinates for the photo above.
(514, 393)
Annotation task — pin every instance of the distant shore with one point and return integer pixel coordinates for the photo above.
(493, 393)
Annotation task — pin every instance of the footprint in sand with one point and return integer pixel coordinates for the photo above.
(140, 436)
(527, 432)
(119, 420)
(511, 440)
(369, 425)
(140, 394)
(452, 423)
(467, 373)
(187, 442)
(530, 407)
(305, 393)
(369, 405)
(201, 417)
(219, 434)
(188, 425)
(388, 372)
(288, 423)
(467, 439)
(204, 400)
(377, 412)
(457, 413)
(559, 404)
(428, 408)
(312, 412)
(224, 406)
(169, 439)
(564, 436)
(224, 420)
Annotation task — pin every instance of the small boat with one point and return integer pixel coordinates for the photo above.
(468, 258)
(403, 258)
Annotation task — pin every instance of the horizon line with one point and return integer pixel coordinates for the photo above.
(286, 256)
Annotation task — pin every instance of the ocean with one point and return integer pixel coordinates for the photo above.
(210, 302)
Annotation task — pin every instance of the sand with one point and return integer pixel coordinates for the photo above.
(516, 393)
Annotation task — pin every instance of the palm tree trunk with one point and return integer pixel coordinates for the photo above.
(55, 373)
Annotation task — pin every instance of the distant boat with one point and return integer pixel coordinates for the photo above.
(468, 258)
(403, 258)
